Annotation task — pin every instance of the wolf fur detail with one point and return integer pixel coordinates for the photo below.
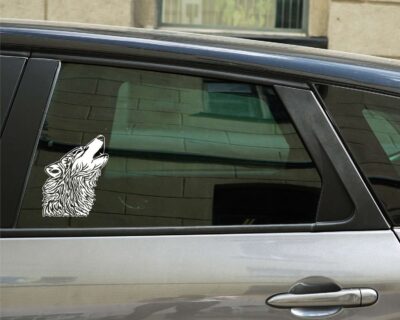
(69, 189)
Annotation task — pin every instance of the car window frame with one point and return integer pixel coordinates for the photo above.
(362, 174)
(17, 144)
(238, 74)
(13, 73)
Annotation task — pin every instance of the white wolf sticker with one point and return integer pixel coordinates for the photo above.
(69, 190)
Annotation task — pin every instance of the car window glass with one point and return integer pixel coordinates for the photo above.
(370, 125)
(10, 73)
(385, 126)
(178, 151)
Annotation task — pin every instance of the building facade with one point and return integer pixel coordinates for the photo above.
(362, 26)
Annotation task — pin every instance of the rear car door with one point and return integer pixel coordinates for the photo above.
(222, 197)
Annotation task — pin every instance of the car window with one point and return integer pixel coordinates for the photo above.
(134, 148)
(370, 125)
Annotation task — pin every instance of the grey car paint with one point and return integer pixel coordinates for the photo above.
(219, 277)
(198, 276)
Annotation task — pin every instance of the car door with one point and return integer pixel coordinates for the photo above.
(222, 197)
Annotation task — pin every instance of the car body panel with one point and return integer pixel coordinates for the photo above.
(199, 276)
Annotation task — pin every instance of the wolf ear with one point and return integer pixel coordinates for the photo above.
(53, 170)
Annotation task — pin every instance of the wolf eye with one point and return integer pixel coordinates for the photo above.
(75, 151)
(55, 171)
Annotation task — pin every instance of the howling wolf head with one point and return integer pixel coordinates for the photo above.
(69, 190)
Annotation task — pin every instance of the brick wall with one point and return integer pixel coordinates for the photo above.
(151, 111)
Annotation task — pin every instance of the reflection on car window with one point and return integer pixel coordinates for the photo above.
(386, 129)
(183, 151)
(370, 125)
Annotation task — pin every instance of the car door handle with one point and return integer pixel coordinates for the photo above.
(358, 297)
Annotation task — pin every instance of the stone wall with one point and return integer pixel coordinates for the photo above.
(110, 12)
(370, 27)
(361, 26)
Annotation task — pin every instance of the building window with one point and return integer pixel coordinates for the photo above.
(255, 15)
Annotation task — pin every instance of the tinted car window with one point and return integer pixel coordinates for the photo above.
(179, 151)
(10, 73)
(370, 125)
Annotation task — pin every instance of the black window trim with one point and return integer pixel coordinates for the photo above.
(366, 180)
(237, 72)
(212, 70)
(322, 140)
(18, 146)
(233, 74)
(16, 71)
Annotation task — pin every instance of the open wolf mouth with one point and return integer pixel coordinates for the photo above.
(96, 148)
(101, 151)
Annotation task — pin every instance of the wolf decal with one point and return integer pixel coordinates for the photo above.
(69, 189)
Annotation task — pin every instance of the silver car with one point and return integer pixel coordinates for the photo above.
(159, 175)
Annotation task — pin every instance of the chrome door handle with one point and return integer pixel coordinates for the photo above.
(343, 298)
